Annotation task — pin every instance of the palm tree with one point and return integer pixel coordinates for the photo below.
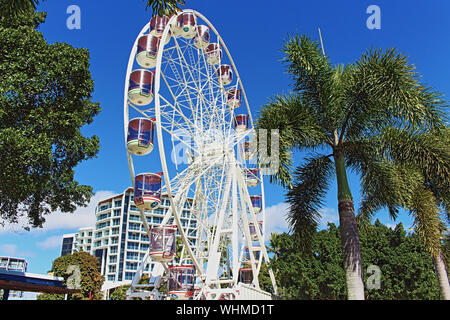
(413, 172)
(331, 112)
(274, 244)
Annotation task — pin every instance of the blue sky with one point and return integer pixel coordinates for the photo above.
(254, 32)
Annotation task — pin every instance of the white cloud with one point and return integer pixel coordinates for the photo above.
(50, 243)
(82, 217)
(8, 249)
(12, 250)
(276, 218)
(328, 215)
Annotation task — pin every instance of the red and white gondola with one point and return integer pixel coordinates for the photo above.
(181, 282)
(203, 37)
(251, 177)
(140, 138)
(147, 191)
(185, 25)
(234, 98)
(246, 275)
(157, 26)
(148, 46)
(163, 243)
(241, 123)
(225, 74)
(141, 87)
(213, 54)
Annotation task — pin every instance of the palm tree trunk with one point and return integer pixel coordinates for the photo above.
(442, 276)
(349, 233)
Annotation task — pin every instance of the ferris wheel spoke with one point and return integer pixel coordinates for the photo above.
(188, 122)
(183, 66)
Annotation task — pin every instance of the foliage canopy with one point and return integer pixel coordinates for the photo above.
(407, 270)
(45, 92)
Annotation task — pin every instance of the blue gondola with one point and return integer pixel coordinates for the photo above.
(256, 254)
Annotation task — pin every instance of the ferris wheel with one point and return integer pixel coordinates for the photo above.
(183, 93)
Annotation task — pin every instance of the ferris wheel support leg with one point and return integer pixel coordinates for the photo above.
(246, 230)
(234, 237)
(246, 198)
(214, 253)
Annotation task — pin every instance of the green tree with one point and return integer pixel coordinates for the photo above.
(120, 293)
(415, 175)
(331, 113)
(45, 92)
(91, 280)
(407, 270)
(406, 267)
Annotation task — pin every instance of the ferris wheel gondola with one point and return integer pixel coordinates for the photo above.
(186, 96)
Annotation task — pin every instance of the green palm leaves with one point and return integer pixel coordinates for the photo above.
(372, 116)
(162, 7)
(11, 8)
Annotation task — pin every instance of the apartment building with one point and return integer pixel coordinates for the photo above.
(119, 239)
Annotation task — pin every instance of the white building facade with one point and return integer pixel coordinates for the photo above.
(119, 239)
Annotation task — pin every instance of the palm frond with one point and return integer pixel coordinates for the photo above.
(427, 222)
(305, 199)
(297, 128)
(428, 151)
(314, 77)
(384, 89)
(13, 8)
(165, 7)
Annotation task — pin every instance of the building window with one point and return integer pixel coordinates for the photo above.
(133, 236)
(129, 275)
(132, 255)
(133, 246)
(131, 266)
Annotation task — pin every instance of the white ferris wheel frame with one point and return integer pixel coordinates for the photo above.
(235, 184)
